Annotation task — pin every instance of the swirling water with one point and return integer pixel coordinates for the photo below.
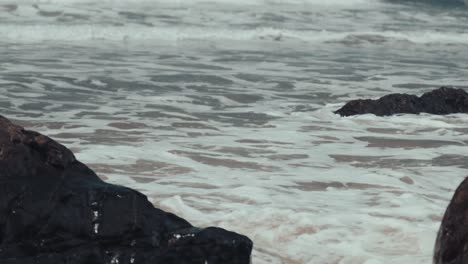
(222, 112)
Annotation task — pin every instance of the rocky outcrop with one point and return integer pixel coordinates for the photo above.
(452, 240)
(54, 209)
(442, 101)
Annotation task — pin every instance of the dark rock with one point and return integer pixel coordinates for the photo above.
(442, 101)
(452, 240)
(54, 209)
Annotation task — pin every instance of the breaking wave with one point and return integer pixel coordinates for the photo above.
(142, 33)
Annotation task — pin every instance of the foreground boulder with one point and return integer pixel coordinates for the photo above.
(55, 210)
(442, 101)
(451, 245)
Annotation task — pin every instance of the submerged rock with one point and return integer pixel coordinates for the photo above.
(442, 101)
(54, 209)
(452, 240)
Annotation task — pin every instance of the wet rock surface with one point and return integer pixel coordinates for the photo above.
(54, 209)
(452, 239)
(442, 101)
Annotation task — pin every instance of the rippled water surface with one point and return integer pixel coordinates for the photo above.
(222, 113)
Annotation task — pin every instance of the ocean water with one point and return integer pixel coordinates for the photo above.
(222, 112)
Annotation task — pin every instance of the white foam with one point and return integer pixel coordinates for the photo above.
(137, 34)
(192, 2)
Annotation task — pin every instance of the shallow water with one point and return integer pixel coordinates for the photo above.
(223, 114)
